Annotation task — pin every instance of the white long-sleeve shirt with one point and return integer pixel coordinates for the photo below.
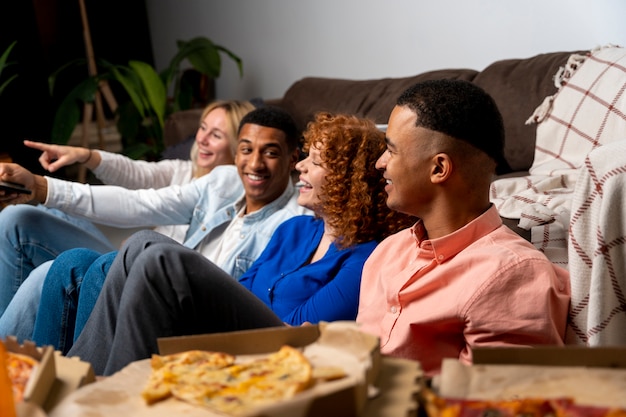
(116, 169)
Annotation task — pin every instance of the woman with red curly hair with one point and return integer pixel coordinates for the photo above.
(310, 271)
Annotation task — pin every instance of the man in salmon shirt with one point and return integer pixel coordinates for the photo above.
(458, 279)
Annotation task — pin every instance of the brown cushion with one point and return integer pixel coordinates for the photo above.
(518, 86)
(180, 125)
(373, 99)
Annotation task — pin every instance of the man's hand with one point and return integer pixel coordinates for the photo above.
(54, 157)
(20, 175)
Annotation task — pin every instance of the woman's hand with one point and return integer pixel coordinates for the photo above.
(20, 175)
(54, 157)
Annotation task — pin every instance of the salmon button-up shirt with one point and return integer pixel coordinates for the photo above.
(482, 285)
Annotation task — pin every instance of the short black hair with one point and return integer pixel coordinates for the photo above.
(277, 118)
(458, 109)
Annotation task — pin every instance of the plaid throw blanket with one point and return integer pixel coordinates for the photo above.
(597, 250)
(588, 110)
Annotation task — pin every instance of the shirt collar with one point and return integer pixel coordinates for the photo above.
(269, 208)
(448, 246)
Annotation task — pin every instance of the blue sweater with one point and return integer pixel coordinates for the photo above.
(325, 290)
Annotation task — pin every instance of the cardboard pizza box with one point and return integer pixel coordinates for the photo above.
(347, 400)
(393, 381)
(71, 374)
(603, 357)
(590, 376)
(54, 378)
(44, 374)
(391, 384)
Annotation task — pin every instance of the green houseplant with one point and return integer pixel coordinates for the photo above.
(142, 112)
(5, 64)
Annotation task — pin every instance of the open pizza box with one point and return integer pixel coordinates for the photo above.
(589, 376)
(52, 379)
(328, 344)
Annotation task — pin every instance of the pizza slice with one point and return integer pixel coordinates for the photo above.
(20, 368)
(241, 387)
(168, 370)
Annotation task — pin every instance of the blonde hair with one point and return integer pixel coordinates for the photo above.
(235, 110)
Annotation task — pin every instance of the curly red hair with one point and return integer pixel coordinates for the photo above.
(354, 198)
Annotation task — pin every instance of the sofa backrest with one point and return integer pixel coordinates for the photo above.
(373, 99)
(518, 86)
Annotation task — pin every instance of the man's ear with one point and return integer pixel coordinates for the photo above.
(441, 169)
(295, 157)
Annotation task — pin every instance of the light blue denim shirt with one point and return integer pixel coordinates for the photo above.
(256, 230)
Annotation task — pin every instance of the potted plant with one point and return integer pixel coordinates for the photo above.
(141, 115)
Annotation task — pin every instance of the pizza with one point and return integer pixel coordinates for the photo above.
(217, 381)
(523, 407)
(19, 367)
(167, 371)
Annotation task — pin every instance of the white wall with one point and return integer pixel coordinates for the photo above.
(281, 41)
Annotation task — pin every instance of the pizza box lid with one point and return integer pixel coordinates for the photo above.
(590, 376)
(604, 357)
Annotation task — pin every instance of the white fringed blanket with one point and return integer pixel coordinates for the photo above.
(597, 250)
(588, 110)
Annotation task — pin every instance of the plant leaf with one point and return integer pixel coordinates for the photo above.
(68, 113)
(4, 84)
(132, 86)
(203, 56)
(5, 56)
(153, 87)
(53, 77)
(234, 57)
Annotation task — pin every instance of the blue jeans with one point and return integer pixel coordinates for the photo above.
(19, 317)
(32, 235)
(68, 294)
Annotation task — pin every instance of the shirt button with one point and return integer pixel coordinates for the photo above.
(204, 228)
(241, 236)
(440, 257)
(394, 309)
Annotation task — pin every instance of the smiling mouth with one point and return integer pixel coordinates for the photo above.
(255, 177)
(303, 184)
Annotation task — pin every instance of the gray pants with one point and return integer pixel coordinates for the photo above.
(157, 288)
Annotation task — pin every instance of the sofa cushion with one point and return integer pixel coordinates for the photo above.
(373, 99)
(518, 86)
(180, 125)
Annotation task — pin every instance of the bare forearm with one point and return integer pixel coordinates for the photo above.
(40, 189)
(92, 159)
